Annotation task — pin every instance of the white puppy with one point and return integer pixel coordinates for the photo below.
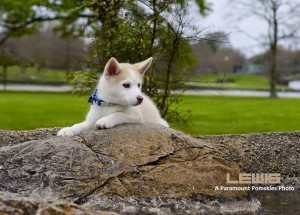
(118, 99)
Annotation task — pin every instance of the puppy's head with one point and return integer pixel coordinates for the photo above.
(121, 82)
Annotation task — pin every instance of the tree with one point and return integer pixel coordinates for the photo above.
(214, 57)
(129, 30)
(282, 20)
(288, 63)
(5, 61)
(149, 28)
(45, 49)
(25, 17)
(217, 40)
(76, 17)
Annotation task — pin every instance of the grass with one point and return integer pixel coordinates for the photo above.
(210, 81)
(210, 114)
(241, 115)
(26, 110)
(32, 75)
(233, 81)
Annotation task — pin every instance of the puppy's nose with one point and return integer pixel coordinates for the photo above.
(139, 99)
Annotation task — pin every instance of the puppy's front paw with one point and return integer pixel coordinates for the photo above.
(68, 131)
(104, 123)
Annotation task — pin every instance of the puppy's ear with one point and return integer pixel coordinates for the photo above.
(144, 65)
(112, 67)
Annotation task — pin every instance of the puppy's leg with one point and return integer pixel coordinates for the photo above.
(117, 118)
(77, 129)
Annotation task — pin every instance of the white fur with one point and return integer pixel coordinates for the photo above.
(127, 109)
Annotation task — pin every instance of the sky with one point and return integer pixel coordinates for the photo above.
(242, 33)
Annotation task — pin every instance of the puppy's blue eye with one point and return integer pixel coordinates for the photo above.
(126, 85)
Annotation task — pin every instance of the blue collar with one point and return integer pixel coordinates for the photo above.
(94, 99)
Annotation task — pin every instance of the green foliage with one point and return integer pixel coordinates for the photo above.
(204, 6)
(31, 75)
(217, 40)
(6, 61)
(20, 17)
(232, 81)
(130, 31)
(15, 13)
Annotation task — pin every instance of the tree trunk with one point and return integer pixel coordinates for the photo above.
(150, 74)
(273, 46)
(22, 68)
(273, 73)
(68, 55)
(4, 77)
(167, 91)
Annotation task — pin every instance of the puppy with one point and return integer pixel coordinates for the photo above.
(118, 99)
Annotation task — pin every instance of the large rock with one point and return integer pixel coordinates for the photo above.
(130, 169)
(262, 153)
(11, 204)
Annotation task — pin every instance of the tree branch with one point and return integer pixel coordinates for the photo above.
(3, 39)
(10, 28)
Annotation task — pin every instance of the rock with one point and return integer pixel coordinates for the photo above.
(13, 204)
(130, 169)
(170, 206)
(262, 153)
(8, 138)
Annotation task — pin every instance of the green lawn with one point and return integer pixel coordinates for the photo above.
(210, 114)
(26, 110)
(210, 81)
(238, 115)
(232, 81)
(31, 74)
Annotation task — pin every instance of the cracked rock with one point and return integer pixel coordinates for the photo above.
(130, 169)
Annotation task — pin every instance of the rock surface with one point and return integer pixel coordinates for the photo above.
(262, 153)
(14, 205)
(137, 169)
